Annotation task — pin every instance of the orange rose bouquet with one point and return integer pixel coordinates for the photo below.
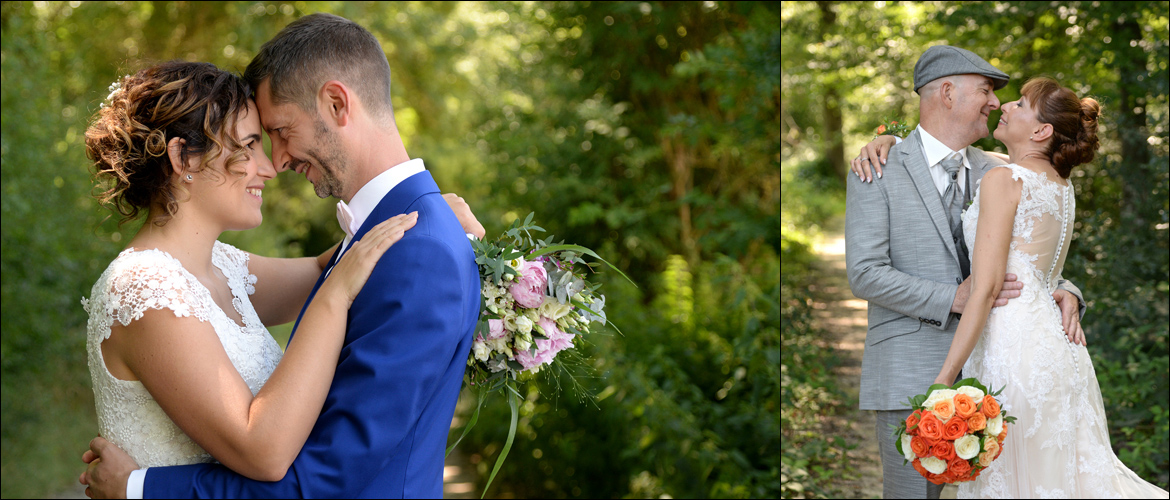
(954, 432)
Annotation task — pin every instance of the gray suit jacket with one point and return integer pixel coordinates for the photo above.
(902, 258)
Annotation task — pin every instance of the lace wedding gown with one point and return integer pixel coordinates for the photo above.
(1059, 446)
(140, 280)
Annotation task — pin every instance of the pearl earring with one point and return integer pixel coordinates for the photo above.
(189, 178)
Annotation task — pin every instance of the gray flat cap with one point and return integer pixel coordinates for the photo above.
(944, 60)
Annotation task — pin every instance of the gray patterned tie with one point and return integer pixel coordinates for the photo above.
(953, 202)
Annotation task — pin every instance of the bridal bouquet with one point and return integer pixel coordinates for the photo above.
(537, 304)
(954, 433)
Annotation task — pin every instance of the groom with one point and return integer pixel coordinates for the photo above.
(905, 251)
(323, 93)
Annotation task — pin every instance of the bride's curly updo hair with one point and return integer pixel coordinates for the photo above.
(127, 139)
(1073, 120)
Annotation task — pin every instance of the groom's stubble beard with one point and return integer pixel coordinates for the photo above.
(330, 160)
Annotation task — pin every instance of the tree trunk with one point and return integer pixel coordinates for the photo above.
(681, 160)
(1131, 124)
(834, 132)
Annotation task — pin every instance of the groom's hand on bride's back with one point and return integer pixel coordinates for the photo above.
(467, 219)
(1070, 316)
(1011, 289)
(108, 471)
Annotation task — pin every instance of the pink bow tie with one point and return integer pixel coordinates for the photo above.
(345, 218)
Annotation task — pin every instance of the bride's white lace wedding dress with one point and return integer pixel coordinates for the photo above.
(140, 280)
(1059, 446)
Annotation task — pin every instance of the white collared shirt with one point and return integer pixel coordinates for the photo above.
(936, 152)
(367, 198)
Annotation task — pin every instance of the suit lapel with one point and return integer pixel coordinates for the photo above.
(320, 280)
(980, 164)
(915, 160)
(394, 203)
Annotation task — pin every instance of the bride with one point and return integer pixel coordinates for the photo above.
(183, 369)
(1021, 222)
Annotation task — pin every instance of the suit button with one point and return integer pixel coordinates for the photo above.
(956, 239)
(958, 281)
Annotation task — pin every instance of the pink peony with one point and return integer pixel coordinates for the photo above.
(528, 290)
(495, 329)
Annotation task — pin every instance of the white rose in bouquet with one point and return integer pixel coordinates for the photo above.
(966, 447)
(554, 309)
(995, 425)
(909, 454)
(975, 393)
(934, 465)
(938, 395)
(481, 350)
(523, 325)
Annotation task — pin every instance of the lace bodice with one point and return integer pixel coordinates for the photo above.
(1059, 447)
(1042, 231)
(141, 280)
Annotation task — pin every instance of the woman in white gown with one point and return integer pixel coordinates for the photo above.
(1021, 222)
(183, 368)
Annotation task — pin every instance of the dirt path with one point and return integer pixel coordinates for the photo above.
(843, 317)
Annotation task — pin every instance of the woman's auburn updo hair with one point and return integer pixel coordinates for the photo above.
(1073, 120)
(127, 140)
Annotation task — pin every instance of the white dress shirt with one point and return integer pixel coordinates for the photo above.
(367, 198)
(936, 152)
(361, 206)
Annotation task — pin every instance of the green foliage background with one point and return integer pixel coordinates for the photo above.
(848, 66)
(646, 131)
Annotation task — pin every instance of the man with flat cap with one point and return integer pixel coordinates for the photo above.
(905, 251)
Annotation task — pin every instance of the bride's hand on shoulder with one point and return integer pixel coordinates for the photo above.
(351, 272)
(872, 157)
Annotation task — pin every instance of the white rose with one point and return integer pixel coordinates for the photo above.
(966, 447)
(938, 395)
(934, 464)
(481, 351)
(553, 309)
(995, 425)
(976, 394)
(523, 324)
(906, 448)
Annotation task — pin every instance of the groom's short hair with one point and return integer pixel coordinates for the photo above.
(321, 47)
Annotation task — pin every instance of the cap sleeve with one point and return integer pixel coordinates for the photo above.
(145, 280)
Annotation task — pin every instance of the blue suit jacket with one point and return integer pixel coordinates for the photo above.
(383, 430)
